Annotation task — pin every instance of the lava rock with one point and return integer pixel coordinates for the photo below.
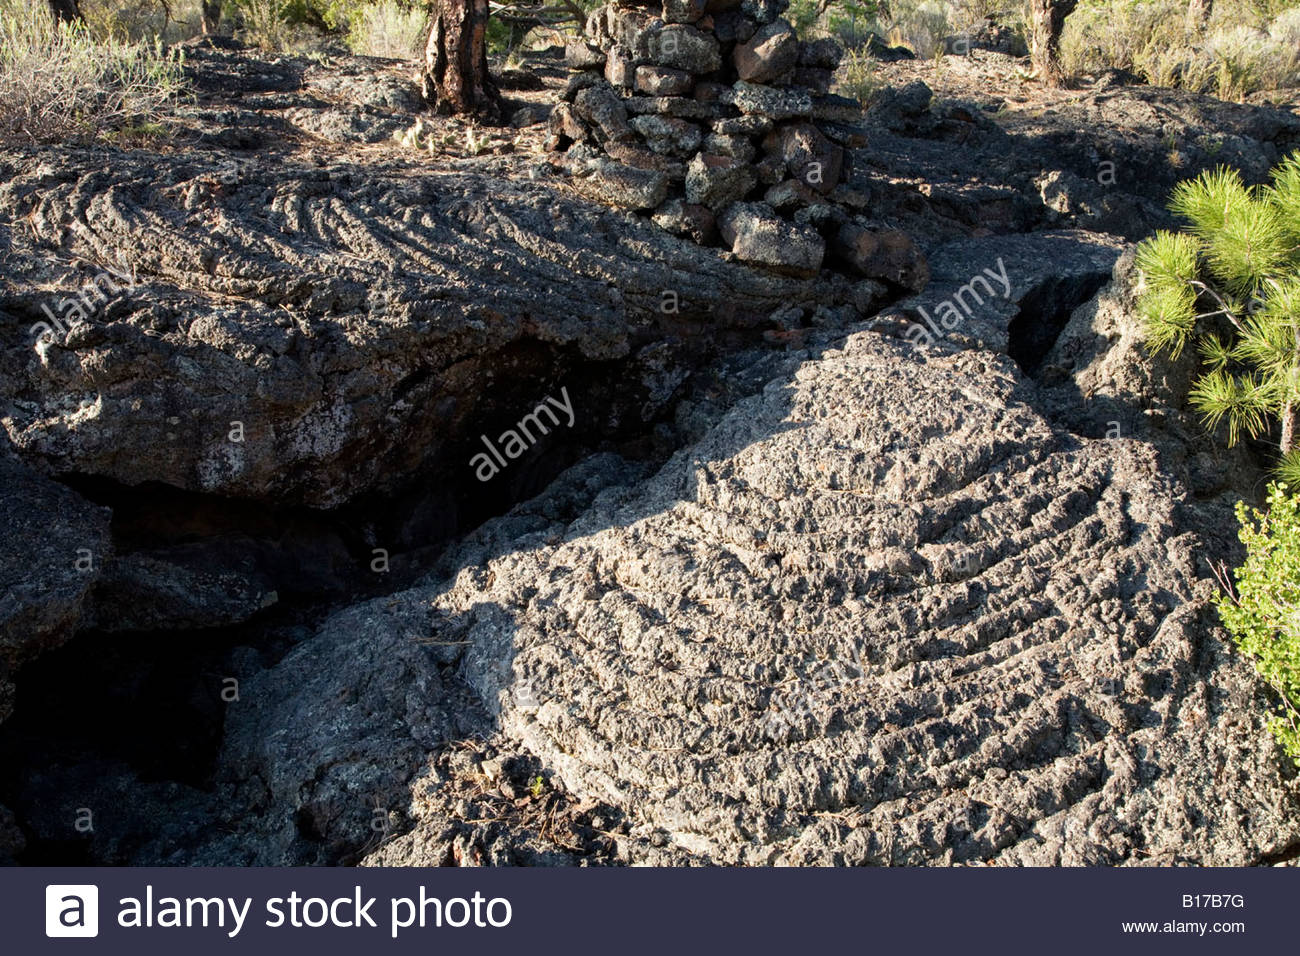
(683, 47)
(709, 91)
(716, 181)
(732, 26)
(687, 219)
(893, 108)
(583, 56)
(764, 11)
(601, 106)
(683, 11)
(668, 135)
(53, 551)
(758, 236)
(772, 103)
(809, 156)
(616, 184)
(620, 68)
(743, 126)
(770, 53)
(878, 49)
(565, 125)
(679, 106)
(183, 587)
(663, 81)
(770, 170)
(831, 107)
(825, 53)
(633, 154)
(737, 147)
(791, 194)
(578, 82)
(890, 255)
(816, 79)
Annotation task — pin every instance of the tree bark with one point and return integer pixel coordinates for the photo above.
(1047, 20)
(456, 78)
(211, 16)
(67, 11)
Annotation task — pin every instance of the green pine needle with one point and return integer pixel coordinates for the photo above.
(1240, 401)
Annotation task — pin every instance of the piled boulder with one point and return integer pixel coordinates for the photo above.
(717, 120)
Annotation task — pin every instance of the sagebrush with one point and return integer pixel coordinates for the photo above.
(59, 83)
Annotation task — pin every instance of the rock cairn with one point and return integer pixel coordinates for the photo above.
(715, 118)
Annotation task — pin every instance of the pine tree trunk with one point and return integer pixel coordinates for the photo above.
(1047, 20)
(69, 11)
(211, 16)
(456, 78)
(1288, 429)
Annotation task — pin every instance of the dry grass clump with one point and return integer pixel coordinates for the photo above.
(58, 83)
(388, 28)
(1240, 52)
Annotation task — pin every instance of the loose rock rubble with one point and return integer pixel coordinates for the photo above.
(713, 116)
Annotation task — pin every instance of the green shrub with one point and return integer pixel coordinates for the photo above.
(265, 23)
(803, 15)
(1247, 47)
(857, 77)
(1263, 615)
(1231, 285)
(144, 20)
(58, 83)
(387, 28)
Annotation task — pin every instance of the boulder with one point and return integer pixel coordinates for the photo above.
(620, 68)
(757, 235)
(683, 47)
(889, 255)
(743, 126)
(770, 53)
(565, 124)
(583, 56)
(602, 107)
(681, 107)
(716, 181)
(683, 11)
(687, 219)
(825, 53)
(772, 103)
(809, 156)
(663, 81)
(764, 11)
(615, 184)
(667, 135)
(737, 147)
